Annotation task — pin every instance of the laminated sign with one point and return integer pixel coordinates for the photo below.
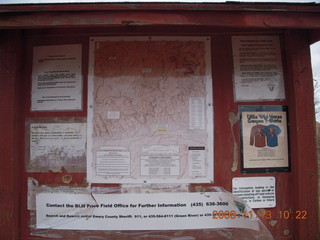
(157, 211)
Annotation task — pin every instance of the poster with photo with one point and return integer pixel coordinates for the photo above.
(264, 139)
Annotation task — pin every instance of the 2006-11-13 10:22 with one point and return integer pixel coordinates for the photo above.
(263, 214)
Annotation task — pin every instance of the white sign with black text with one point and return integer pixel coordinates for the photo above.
(258, 73)
(57, 78)
(157, 211)
(258, 192)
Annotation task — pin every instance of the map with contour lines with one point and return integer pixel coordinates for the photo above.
(149, 103)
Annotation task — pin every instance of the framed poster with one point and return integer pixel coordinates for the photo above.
(264, 139)
(258, 72)
(150, 111)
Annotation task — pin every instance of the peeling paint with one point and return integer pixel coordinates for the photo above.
(199, 189)
(132, 22)
(66, 179)
(56, 169)
(233, 119)
(286, 232)
(178, 233)
(261, 212)
(33, 184)
(183, 238)
(273, 223)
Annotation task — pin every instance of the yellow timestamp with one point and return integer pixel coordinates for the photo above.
(286, 214)
(231, 214)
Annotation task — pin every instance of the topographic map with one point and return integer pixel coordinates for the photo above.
(150, 110)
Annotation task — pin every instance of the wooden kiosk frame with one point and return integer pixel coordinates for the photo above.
(298, 25)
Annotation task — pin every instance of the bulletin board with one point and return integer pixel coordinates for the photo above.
(148, 114)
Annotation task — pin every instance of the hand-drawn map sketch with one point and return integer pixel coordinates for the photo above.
(150, 110)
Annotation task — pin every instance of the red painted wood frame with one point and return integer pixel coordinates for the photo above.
(296, 190)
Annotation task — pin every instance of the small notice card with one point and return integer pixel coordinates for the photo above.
(258, 192)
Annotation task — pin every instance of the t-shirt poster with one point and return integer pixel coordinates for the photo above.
(258, 73)
(264, 139)
(56, 78)
(150, 113)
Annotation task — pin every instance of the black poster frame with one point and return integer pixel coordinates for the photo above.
(264, 114)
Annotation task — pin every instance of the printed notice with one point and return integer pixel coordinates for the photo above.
(258, 73)
(196, 113)
(160, 160)
(258, 192)
(56, 78)
(113, 163)
(197, 161)
(156, 211)
(56, 145)
(264, 138)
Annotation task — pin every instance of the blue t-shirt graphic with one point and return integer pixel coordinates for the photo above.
(272, 132)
